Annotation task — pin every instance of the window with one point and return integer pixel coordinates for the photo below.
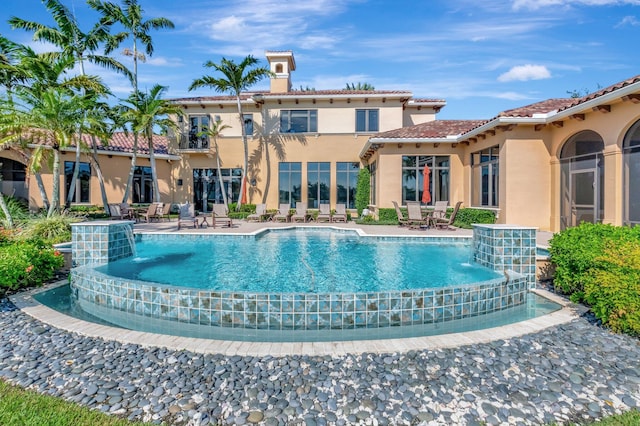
(413, 177)
(631, 175)
(14, 176)
(206, 187)
(366, 120)
(346, 181)
(318, 184)
(582, 179)
(248, 124)
(82, 184)
(197, 124)
(298, 121)
(485, 177)
(142, 185)
(290, 183)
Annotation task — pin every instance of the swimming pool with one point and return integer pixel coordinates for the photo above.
(301, 261)
(110, 296)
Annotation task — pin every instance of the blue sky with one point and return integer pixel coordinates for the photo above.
(482, 57)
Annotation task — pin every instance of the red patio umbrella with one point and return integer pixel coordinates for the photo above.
(426, 195)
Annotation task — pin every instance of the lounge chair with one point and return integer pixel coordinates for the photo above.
(300, 213)
(283, 213)
(446, 223)
(440, 209)
(186, 216)
(166, 210)
(153, 212)
(220, 215)
(402, 221)
(127, 212)
(325, 213)
(260, 214)
(414, 213)
(115, 212)
(341, 214)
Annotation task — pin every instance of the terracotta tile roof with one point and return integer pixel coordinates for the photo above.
(121, 142)
(293, 93)
(542, 107)
(601, 92)
(431, 130)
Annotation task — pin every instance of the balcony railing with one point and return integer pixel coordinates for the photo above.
(190, 142)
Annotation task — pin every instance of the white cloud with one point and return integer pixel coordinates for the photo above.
(628, 20)
(525, 73)
(161, 61)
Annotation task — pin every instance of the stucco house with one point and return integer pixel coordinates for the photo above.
(551, 164)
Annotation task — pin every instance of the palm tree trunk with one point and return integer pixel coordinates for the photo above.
(246, 153)
(3, 205)
(132, 170)
(154, 173)
(55, 196)
(220, 182)
(76, 171)
(43, 192)
(96, 165)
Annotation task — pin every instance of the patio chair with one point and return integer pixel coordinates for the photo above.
(166, 210)
(414, 215)
(283, 213)
(220, 215)
(186, 216)
(300, 213)
(153, 212)
(325, 213)
(114, 211)
(260, 214)
(402, 221)
(446, 223)
(341, 214)
(440, 209)
(127, 212)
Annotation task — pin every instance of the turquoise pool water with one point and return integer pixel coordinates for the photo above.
(301, 262)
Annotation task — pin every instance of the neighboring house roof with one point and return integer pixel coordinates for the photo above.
(542, 107)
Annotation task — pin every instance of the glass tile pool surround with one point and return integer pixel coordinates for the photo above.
(302, 311)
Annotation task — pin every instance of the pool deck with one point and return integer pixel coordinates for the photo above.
(27, 304)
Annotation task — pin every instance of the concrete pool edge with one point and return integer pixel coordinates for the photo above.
(33, 308)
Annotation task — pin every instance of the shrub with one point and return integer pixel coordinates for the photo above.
(613, 288)
(25, 263)
(575, 251)
(18, 209)
(466, 217)
(363, 190)
(387, 215)
(53, 230)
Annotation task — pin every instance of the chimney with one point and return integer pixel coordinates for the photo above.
(281, 63)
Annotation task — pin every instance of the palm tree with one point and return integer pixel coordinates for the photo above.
(74, 43)
(216, 128)
(148, 110)
(359, 86)
(236, 78)
(131, 19)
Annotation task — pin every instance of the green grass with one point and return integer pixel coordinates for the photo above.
(20, 407)
(630, 418)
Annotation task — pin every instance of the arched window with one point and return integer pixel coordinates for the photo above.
(631, 175)
(582, 179)
(279, 68)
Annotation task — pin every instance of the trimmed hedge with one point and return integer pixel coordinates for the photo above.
(468, 216)
(363, 189)
(600, 265)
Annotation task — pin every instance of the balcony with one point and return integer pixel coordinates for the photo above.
(191, 142)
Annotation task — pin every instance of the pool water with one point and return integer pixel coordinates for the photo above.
(301, 262)
(60, 299)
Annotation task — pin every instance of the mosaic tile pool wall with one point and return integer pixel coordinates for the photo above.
(296, 311)
(101, 242)
(301, 311)
(503, 247)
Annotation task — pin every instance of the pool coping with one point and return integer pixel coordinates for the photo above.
(27, 304)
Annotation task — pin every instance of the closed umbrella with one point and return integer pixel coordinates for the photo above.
(426, 195)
